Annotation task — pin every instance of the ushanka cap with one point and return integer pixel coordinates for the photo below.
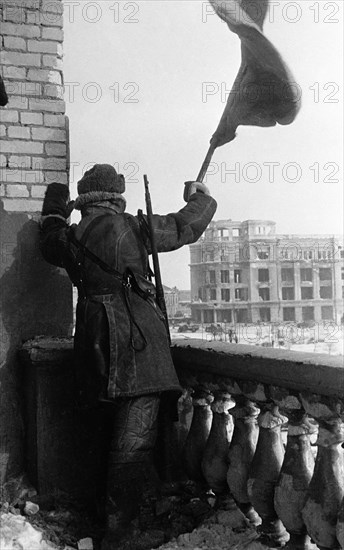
(101, 184)
(101, 177)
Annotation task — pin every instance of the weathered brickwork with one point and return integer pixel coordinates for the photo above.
(35, 298)
(33, 134)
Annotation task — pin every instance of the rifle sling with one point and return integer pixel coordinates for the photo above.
(125, 278)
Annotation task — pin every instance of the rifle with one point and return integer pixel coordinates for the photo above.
(157, 275)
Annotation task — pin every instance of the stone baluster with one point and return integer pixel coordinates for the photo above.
(241, 453)
(297, 469)
(185, 411)
(264, 473)
(294, 480)
(198, 434)
(340, 525)
(215, 461)
(326, 489)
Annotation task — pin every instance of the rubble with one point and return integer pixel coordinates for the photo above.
(185, 514)
(233, 518)
(85, 544)
(30, 508)
(16, 490)
(164, 506)
(217, 534)
(18, 534)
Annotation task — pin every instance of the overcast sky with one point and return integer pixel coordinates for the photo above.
(146, 85)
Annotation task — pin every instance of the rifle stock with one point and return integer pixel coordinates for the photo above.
(160, 298)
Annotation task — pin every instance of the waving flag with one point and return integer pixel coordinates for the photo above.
(264, 92)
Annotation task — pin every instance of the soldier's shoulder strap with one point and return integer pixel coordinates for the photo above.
(86, 252)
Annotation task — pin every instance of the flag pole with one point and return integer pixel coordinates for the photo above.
(206, 161)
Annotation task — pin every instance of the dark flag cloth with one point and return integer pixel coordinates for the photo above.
(264, 92)
(3, 94)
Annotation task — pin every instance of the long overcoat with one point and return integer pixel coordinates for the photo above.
(121, 344)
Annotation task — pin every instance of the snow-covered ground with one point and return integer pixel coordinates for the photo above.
(324, 338)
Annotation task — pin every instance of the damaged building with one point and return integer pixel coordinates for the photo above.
(243, 272)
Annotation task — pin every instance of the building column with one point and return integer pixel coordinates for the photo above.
(298, 313)
(337, 289)
(275, 277)
(278, 309)
(276, 313)
(317, 313)
(316, 284)
(36, 297)
(297, 282)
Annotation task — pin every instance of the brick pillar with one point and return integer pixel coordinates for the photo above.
(36, 298)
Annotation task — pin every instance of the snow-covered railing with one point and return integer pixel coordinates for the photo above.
(243, 401)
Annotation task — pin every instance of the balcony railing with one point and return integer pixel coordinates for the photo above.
(264, 426)
(268, 426)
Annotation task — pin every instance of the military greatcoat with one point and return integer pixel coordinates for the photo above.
(121, 344)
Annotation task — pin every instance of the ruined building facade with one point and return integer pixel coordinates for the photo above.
(243, 272)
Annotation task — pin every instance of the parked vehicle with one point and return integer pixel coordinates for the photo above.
(191, 327)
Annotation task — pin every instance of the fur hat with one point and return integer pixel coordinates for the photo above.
(101, 177)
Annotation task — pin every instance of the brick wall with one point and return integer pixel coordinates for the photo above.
(35, 297)
(33, 125)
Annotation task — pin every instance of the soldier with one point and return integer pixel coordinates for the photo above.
(121, 345)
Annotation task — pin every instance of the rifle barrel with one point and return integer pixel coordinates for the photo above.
(157, 274)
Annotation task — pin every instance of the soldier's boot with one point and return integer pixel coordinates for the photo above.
(125, 486)
(130, 464)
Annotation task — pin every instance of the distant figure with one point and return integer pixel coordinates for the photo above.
(280, 338)
(212, 330)
(219, 331)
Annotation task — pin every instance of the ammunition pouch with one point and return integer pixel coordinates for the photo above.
(142, 286)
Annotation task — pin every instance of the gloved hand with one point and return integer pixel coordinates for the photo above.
(194, 187)
(56, 200)
(70, 208)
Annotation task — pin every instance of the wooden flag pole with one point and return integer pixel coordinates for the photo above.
(206, 161)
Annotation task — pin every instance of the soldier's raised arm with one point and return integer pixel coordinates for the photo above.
(176, 229)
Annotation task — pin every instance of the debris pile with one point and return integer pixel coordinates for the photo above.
(32, 522)
(18, 534)
(224, 530)
(182, 515)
